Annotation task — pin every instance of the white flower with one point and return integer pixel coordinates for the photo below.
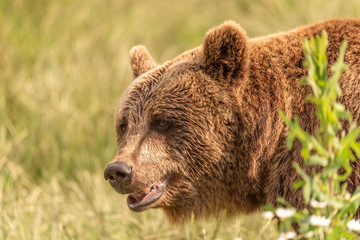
(319, 221)
(316, 204)
(353, 225)
(267, 215)
(285, 212)
(238, 238)
(347, 196)
(287, 235)
(309, 234)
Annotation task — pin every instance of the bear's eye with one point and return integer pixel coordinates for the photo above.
(161, 124)
(122, 128)
(120, 131)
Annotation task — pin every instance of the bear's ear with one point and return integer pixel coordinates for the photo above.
(141, 60)
(225, 52)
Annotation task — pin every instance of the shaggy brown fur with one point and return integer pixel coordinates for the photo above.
(208, 120)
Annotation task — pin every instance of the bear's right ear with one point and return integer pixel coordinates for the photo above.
(141, 60)
(225, 52)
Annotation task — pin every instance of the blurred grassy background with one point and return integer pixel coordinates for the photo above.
(63, 67)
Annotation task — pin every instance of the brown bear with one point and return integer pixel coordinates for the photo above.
(201, 133)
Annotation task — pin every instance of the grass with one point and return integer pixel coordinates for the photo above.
(63, 67)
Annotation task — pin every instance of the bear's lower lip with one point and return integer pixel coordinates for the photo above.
(140, 202)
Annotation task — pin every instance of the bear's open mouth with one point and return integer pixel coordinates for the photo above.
(140, 201)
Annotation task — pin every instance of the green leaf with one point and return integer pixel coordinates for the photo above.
(298, 184)
(316, 160)
(355, 198)
(270, 208)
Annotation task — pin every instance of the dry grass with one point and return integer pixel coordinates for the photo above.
(63, 67)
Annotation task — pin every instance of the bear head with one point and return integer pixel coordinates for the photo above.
(178, 127)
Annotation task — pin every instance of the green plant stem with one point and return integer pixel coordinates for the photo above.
(321, 234)
(331, 186)
(331, 156)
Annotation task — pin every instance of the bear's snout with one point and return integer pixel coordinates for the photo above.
(119, 175)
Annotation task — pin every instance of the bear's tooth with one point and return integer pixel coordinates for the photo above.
(145, 190)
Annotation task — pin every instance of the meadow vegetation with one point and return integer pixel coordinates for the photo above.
(331, 207)
(63, 67)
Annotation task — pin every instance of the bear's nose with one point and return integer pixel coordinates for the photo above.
(119, 174)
